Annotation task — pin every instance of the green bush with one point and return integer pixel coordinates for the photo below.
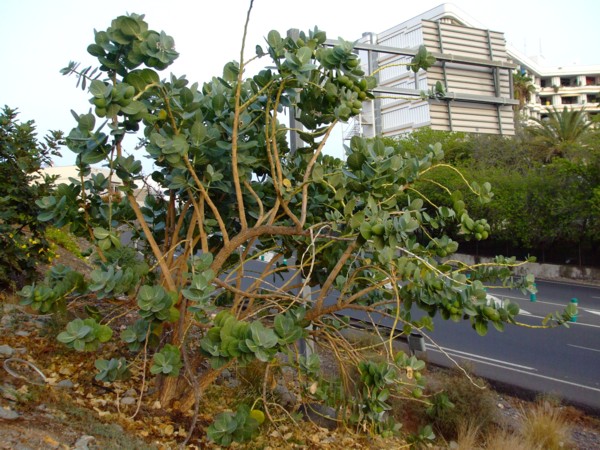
(22, 238)
(460, 399)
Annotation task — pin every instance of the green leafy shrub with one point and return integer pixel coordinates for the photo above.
(167, 361)
(239, 426)
(85, 335)
(50, 296)
(231, 191)
(22, 235)
(111, 370)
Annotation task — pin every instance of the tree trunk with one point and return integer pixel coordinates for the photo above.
(171, 389)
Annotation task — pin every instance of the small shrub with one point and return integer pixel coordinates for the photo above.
(472, 404)
(228, 426)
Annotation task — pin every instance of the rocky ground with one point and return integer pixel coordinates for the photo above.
(67, 411)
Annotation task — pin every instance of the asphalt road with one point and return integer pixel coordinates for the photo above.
(564, 361)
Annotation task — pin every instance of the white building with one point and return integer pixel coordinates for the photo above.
(576, 87)
(475, 68)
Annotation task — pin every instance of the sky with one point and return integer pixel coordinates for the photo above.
(38, 38)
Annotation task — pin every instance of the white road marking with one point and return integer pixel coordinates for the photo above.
(592, 311)
(585, 348)
(537, 301)
(525, 313)
(541, 301)
(460, 353)
(545, 377)
(570, 323)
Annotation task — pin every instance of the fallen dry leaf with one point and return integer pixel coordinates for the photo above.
(168, 430)
(51, 442)
(100, 412)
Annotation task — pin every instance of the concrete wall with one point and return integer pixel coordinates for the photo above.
(589, 275)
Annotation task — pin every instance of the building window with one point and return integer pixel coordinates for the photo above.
(545, 82)
(592, 98)
(590, 81)
(569, 82)
(569, 100)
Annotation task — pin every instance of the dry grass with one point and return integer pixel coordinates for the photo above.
(467, 435)
(503, 439)
(544, 426)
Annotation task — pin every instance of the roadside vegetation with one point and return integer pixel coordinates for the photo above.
(546, 184)
(203, 325)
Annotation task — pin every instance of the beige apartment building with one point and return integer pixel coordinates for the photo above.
(474, 66)
(576, 87)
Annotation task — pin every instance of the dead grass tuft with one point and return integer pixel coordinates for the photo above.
(467, 435)
(545, 426)
(500, 439)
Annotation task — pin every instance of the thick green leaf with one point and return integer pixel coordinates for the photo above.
(97, 88)
(481, 327)
(134, 108)
(100, 233)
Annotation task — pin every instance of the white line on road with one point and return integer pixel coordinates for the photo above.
(585, 348)
(592, 311)
(460, 353)
(570, 323)
(537, 301)
(545, 377)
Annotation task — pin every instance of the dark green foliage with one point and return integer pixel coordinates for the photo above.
(50, 296)
(22, 238)
(455, 144)
(542, 206)
(540, 200)
(560, 133)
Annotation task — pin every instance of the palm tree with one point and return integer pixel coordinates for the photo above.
(561, 131)
(523, 88)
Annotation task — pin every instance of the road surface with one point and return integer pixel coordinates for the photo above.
(565, 361)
